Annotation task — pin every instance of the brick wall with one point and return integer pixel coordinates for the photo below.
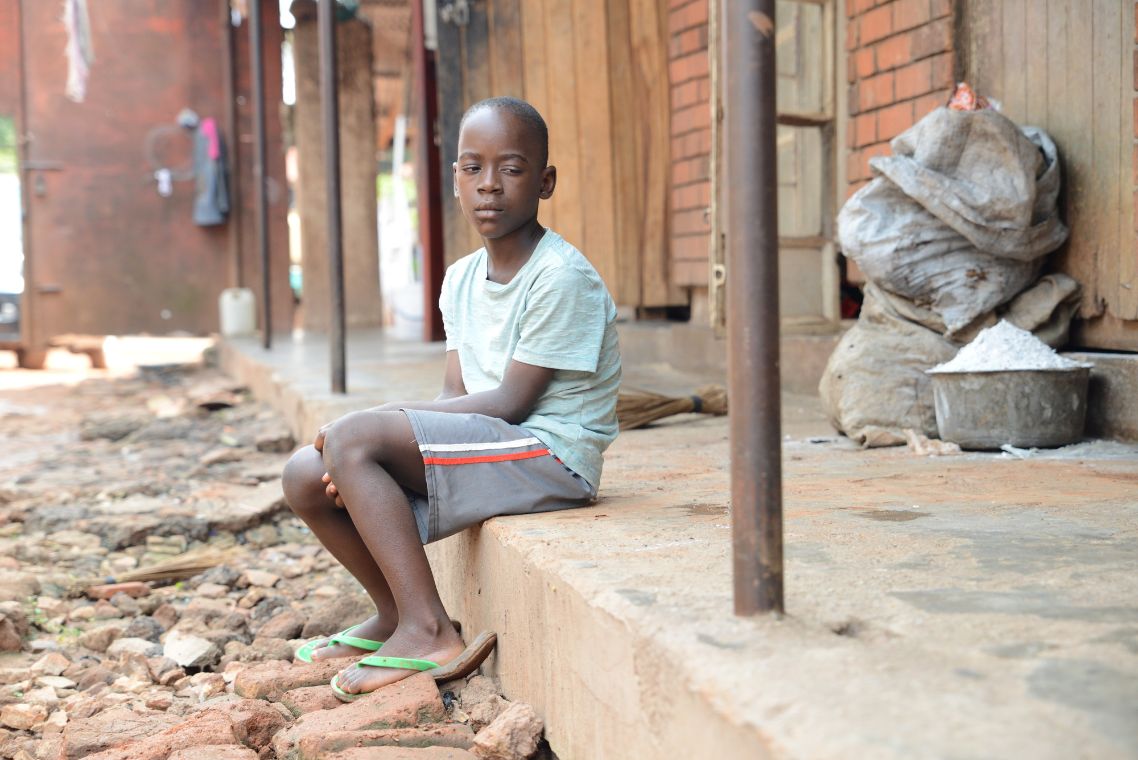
(691, 140)
(1134, 150)
(901, 66)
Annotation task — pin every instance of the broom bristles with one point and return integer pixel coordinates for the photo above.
(637, 408)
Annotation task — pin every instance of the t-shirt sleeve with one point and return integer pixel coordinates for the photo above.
(446, 306)
(564, 322)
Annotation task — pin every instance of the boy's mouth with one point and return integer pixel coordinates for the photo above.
(486, 211)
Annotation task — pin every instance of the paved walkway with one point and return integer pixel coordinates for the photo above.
(961, 607)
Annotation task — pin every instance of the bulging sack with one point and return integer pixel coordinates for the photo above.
(961, 215)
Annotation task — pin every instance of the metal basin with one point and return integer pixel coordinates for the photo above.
(1025, 408)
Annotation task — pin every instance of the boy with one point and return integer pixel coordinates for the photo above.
(527, 408)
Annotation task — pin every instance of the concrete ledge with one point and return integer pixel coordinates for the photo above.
(1112, 400)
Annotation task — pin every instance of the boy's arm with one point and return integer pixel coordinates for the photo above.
(512, 401)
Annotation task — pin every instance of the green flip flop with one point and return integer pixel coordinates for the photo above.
(304, 654)
(378, 661)
(466, 663)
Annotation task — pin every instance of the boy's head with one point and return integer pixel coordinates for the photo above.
(502, 170)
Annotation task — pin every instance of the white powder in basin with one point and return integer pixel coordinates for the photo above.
(1005, 347)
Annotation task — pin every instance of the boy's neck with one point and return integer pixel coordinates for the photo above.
(509, 253)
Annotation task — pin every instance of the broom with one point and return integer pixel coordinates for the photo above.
(636, 408)
(179, 568)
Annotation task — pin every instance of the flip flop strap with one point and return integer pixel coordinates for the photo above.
(378, 661)
(352, 641)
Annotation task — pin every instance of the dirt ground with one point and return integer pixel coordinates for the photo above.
(162, 476)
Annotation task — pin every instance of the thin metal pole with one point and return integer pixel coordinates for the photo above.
(257, 69)
(427, 176)
(229, 55)
(752, 302)
(330, 103)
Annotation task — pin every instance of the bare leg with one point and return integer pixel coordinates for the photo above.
(305, 494)
(368, 455)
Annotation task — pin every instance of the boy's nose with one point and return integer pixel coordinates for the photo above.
(489, 181)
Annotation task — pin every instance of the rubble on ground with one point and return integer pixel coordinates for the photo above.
(154, 586)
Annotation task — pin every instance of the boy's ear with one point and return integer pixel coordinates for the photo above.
(548, 182)
(454, 185)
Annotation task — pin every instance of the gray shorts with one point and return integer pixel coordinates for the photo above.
(479, 467)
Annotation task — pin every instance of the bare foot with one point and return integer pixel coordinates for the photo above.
(441, 647)
(373, 628)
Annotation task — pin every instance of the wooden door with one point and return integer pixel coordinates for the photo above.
(808, 271)
(1068, 66)
(597, 71)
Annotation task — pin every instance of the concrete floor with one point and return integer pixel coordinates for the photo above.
(972, 606)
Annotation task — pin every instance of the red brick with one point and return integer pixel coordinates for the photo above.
(865, 129)
(914, 79)
(876, 92)
(696, 195)
(863, 63)
(691, 170)
(875, 25)
(853, 100)
(932, 38)
(704, 89)
(309, 699)
(409, 702)
(910, 13)
(688, 41)
(893, 52)
(692, 118)
(851, 36)
(690, 247)
(873, 151)
(692, 14)
(926, 104)
(861, 6)
(445, 735)
(688, 67)
(684, 95)
(272, 679)
(854, 170)
(692, 222)
(894, 120)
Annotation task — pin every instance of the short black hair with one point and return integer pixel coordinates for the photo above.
(523, 111)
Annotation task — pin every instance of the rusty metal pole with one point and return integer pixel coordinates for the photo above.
(330, 104)
(260, 177)
(752, 303)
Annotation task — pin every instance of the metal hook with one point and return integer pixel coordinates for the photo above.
(457, 13)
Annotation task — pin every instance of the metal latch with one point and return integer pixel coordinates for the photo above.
(457, 13)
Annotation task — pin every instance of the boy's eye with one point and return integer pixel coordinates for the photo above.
(471, 168)
(511, 170)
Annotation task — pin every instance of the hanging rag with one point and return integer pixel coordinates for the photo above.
(80, 50)
(211, 199)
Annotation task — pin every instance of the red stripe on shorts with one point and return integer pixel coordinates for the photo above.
(488, 458)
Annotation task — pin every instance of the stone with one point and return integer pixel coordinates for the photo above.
(309, 699)
(55, 722)
(23, 716)
(111, 728)
(104, 610)
(189, 650)
(110, 427)
(95, 675)
(51, 664)
(98, 639)
(132, 589)
(275, 441)
(480, 700)
(262, 578)
(166, 616)
(284, 625)
(212, 590)
(409, 702)
(225, 752)
(159, 666)
(440, 735)
(44, 695)
(401, 753)
(126, 604)
(221, 455)
(17, 587)
(56, 682)
(144, 627)
(272, 679)
(222, 575)
(10, 638)
(206, 685)
(337, 614)
(136, 646)
(171, 677)
(512, 736)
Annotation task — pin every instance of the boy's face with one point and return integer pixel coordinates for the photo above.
(498, 178)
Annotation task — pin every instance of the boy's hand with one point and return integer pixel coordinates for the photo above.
(321, 434)
(331, 491)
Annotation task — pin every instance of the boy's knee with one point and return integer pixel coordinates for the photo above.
(300, 480)
(355, 438)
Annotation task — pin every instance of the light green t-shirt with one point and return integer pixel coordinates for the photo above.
(556, 312)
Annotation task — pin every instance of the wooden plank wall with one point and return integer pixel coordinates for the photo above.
(597, 71)
(1068, 67)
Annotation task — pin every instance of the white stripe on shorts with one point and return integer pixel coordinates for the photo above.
(479, 446)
